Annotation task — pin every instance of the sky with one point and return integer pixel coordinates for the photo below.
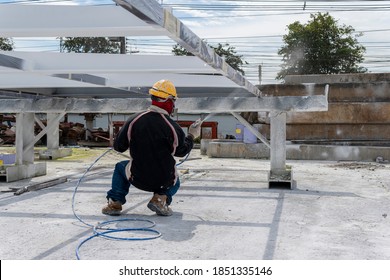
(255, 28)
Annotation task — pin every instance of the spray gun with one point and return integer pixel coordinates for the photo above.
(194, 129)
(199, 121)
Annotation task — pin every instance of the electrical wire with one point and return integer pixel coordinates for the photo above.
(205, 10)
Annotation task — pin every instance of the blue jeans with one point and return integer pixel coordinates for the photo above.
(120, 185)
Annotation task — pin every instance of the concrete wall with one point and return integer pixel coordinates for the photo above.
(231, 149)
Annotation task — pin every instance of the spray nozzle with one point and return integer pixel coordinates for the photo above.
(197, 123)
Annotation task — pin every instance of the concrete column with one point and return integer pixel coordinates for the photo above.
(278, 141)
(110, 130)
(279, 176)
(28, 124)
(53, 134)
(24, 136)
(19, 139)
(24, 165)
(89, 118)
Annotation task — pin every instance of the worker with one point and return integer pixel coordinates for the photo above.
(153, 139)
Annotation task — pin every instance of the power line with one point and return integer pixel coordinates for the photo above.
(35, 1)
(259, 49)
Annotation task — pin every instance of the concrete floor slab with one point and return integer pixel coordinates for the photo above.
(224, 210)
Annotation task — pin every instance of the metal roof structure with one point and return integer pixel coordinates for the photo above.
(76, 75)
(205, 82)
(61, 83)
(107, 75)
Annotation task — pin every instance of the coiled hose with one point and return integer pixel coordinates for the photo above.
(102, 230)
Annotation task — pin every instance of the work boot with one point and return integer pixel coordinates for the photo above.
(158, 204)
(113, 208)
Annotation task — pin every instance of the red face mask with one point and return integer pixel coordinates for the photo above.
(168, 105)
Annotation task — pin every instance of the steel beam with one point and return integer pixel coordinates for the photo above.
(153, 13)
(260, 136)
(71, 21)
(185, 105)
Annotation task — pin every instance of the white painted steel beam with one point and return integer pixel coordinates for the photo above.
(40, 70)
(153, 13)
(72, 21)
(124, 81)
(94, 63)
(188, 105)
(255, 132)
(49, 73)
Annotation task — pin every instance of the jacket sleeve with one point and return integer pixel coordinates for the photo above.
(121, 143)
(185, 143)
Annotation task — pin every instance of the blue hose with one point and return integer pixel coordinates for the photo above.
(98, 230)
(185, 158)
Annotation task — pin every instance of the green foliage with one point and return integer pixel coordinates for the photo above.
(230, 55)
(6, 44)
(225, 51)
(90, 45)
(321, 47)
(180, 51)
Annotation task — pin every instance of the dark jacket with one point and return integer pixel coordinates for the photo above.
(153, 139)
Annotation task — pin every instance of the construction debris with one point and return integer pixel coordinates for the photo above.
(38, 186)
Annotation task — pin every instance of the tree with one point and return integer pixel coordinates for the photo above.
(6, 44)
(180, 51)
(321, 47)
(226, 51)
(90, 45)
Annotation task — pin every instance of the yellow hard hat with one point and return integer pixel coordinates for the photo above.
(163, 89)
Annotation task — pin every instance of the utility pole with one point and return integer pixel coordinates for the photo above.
(260, 74)
(122, 41)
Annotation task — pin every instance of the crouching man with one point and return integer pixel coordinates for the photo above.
(153, 139)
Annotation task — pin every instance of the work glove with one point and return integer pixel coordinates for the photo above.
(194, 129)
